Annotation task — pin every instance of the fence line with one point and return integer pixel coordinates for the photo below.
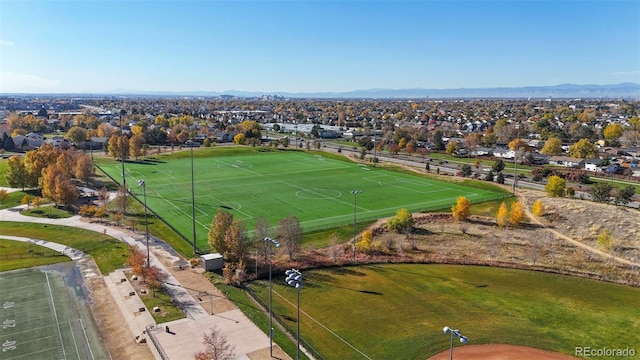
(280, 320)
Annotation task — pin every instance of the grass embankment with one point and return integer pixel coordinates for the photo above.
(256, 314)
(398, 311)
(110, 254)
(19, 255)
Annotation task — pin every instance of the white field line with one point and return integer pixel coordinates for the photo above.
(53, 305)
(324, 327)
(86, 339)
(32, 329)
(75, 344)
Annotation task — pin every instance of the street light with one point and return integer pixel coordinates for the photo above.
(276, 243)
(456, 333)
(355, 193)
(294, 279)
(146, 219)
(193, 207)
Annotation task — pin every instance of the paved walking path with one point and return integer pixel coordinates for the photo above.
(185, 338)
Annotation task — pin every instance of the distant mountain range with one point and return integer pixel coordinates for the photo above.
(563, 91)
(623, 90)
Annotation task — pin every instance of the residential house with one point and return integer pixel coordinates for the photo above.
(593, 165)
(504, 153)
(565, 161)
(27, 142)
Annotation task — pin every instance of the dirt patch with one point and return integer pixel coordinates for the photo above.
(583, 220)
(501, 352)
(533, 245)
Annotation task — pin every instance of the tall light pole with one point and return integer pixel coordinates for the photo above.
(276, 243)
(142, 183)
(355, 193)
(193, 207)
(124, 180)
(294, 278)
(456, 333)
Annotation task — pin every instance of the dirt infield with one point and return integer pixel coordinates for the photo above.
(500, 352)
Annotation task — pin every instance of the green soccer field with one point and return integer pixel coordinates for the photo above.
(316, 189)
(42, 318)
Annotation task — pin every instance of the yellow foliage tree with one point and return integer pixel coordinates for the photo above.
(553, 146)
(517, 144)
(364, 244)
(239, 139)
(26, 200)
(605, 240)
(555, 186)
(538, 208)
(501, 216)
(460, 211)
(517, 213)
(451, 148)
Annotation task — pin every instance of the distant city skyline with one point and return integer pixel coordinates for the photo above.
(313, 46)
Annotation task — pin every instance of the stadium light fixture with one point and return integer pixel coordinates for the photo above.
(454, 333)
(294, 279)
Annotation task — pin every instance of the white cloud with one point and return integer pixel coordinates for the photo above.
(6, 43)
(19, 83)
(635, 72)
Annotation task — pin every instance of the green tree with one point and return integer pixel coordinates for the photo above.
(16, 173)
(466, 170)
(555, 186)
(401, 223)
(624, 195)
(600, 192)
(497, 166)
(583, 149)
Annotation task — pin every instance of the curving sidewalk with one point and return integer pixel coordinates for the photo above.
(186, 334)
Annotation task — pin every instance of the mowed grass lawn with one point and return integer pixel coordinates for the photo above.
(278, 184)
(398, 311)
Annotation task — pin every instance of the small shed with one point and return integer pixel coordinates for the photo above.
(212, 262)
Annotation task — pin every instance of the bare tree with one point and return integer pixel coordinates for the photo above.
(289, 233)
(216, 347)
(261, 231)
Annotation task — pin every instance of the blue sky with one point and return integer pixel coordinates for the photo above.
(312, 46)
